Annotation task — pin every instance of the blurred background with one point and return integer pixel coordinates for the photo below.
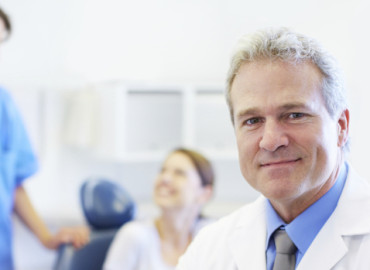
(107, 88)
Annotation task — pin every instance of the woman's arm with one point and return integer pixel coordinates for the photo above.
(78, 236)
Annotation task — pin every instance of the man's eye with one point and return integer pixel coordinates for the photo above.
(296, 115)
(252, 121)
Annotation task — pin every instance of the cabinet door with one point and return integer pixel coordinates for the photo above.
(213, 128)
(154, 120)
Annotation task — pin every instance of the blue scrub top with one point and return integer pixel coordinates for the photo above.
(17, 162)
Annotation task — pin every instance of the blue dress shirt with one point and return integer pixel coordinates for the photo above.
(304, 228)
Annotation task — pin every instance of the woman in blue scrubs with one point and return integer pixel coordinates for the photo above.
(17, 163)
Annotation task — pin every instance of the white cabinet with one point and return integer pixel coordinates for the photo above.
(144, 122)
(153, 120)
(212, 125)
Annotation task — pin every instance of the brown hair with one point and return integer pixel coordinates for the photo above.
(6, 20)
(202, 164)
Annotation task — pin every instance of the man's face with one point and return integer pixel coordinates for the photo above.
(289, 146)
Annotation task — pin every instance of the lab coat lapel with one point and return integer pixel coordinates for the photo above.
(350, 218)
(325, 251)
(248, 242)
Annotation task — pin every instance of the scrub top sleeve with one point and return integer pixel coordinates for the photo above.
(16, 141)
(26, 161)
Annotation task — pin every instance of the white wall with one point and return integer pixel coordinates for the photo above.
(67, 43)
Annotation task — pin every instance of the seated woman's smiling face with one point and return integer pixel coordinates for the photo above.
(178, 184)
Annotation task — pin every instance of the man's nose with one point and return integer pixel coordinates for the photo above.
(274, 136)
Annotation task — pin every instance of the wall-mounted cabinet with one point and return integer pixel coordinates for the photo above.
(137, 123)
(153, 120)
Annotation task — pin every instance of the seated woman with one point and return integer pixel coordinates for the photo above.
(183, 186)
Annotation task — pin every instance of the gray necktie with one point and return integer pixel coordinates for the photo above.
(285, 251)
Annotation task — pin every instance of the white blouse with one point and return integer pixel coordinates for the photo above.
(137, 246)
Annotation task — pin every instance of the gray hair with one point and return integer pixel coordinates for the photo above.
(285, 45)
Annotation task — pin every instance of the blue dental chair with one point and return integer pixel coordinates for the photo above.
(106, 206)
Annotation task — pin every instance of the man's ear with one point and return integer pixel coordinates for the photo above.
(343, 128)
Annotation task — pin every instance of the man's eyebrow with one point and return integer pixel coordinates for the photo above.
(294, 105)
(249, 111)
(284, 107)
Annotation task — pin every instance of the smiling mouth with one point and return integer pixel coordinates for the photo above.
(280, 162)
(164, 192)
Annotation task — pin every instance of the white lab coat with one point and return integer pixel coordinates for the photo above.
(238, 241)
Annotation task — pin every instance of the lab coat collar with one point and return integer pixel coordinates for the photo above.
(247, 242)
(350, 218)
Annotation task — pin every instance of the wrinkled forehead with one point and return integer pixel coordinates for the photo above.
(275, 85)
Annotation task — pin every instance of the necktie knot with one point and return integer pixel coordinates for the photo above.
(283, 243)
(285, 251)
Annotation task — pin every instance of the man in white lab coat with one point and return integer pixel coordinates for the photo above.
(291, 121)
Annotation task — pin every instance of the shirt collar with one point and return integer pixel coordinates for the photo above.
(304, 228)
